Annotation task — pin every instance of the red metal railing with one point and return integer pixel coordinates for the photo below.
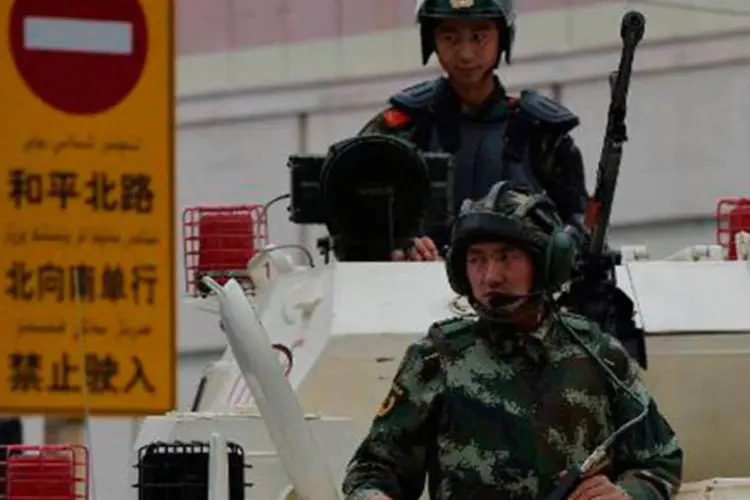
(732, 217)
(47, 472)
(219, 242)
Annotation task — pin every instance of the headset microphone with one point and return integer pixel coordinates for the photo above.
(499, 300)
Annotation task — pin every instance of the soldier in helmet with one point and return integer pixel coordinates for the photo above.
(468, 113)
(499, 405)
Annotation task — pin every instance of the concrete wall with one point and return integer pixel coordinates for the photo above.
(241, 113)
(241, 44)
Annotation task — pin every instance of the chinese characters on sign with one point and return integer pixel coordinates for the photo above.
(100, 191)
(28, 373)
(87, 247)
(59, 258)
(58, 283)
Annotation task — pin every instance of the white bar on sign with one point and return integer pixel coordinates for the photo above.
(78, 35)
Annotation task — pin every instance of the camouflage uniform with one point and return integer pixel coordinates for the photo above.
(524, 139)
(485, 412)
(489, 418)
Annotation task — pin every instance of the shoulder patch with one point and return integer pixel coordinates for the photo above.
(394, 394)
(551, 116)
(418, 97)
(395, 118)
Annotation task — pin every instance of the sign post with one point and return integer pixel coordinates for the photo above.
(87, 248)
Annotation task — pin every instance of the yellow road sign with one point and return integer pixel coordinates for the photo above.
(87, 218)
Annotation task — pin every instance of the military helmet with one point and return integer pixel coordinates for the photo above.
(522, 217)
(430, 12)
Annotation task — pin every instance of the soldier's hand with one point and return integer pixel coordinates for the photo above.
(422, 249)
(597, 487)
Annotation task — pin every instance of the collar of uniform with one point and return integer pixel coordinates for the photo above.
(534, 344)
(542, 331)
(493, 108)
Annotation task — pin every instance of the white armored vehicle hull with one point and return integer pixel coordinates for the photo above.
(347, 325)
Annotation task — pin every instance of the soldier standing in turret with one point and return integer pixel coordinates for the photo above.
(468, 113)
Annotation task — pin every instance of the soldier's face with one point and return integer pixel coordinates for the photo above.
(467, 49)
(494, 268)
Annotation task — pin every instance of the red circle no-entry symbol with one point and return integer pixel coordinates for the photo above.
(79, 56)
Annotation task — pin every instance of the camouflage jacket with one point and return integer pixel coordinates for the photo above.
(489, 417)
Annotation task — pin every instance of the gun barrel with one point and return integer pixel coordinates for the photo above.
(631, 31)
(633, 27)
